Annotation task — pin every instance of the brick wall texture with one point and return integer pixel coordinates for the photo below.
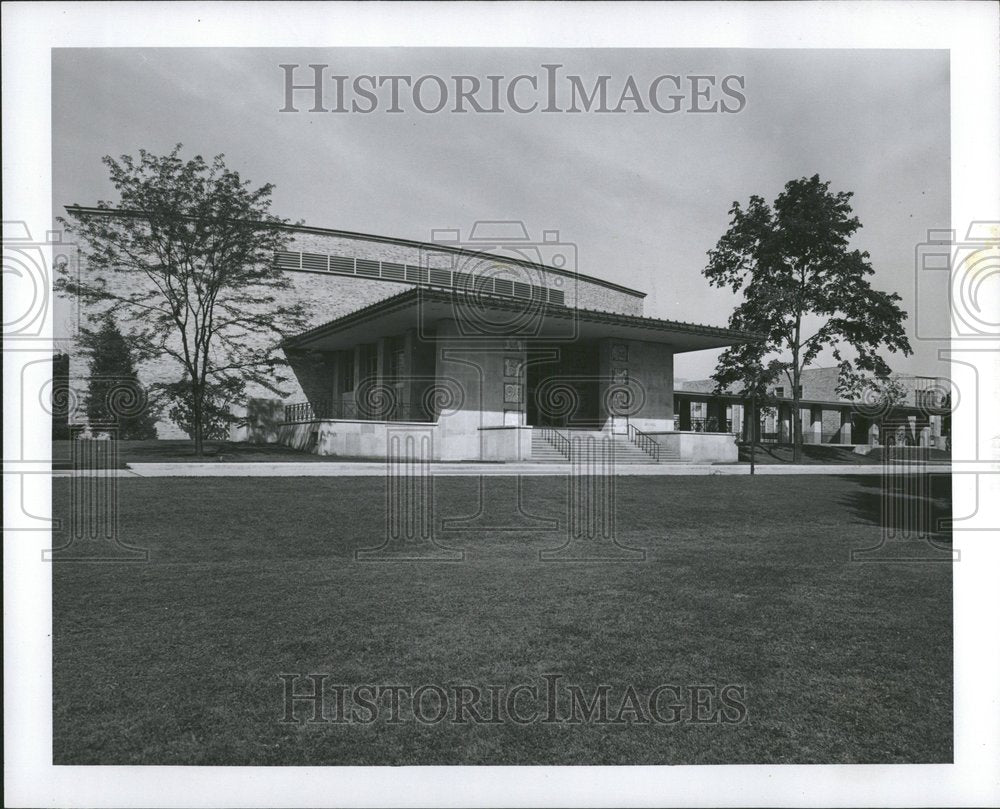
(330, 296)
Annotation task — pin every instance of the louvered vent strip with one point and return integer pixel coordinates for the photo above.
(314, 261)
(395, 271)
(368, 268)
(342, 264)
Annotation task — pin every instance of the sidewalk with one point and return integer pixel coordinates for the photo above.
(379, 469)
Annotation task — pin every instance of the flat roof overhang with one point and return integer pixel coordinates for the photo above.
(422, 308)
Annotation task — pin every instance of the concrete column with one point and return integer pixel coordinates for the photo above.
(410, 389)
(384, 409)
(925, 436)
(816, 416)
(356, 410)
(717, 411)
(650, 370)
(359, 357)
(685, 414)
(382, 352)
(335, 364)
(652, 366)
(873, 435)
(514, 353)
(845, 426)
(477, 373)
(785, 419)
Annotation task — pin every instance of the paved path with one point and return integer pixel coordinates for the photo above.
(378, 469)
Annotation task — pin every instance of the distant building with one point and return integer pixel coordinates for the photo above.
(921, 418)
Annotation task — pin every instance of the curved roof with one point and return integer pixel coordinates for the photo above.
(371, 237)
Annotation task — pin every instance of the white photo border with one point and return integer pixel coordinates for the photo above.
(968, 30)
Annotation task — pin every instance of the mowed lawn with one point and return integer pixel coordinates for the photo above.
(746, 581)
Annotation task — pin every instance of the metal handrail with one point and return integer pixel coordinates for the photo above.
(560, 442)
(644, 442)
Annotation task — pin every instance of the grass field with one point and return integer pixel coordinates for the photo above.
(746, 581)
(182, 451)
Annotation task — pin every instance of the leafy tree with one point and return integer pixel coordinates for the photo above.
(882, 395)
(61, 397)
(184, 260)
(216, 410)
(115, 397)
(793, 264)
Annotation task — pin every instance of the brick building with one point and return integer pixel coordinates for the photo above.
(494, 349)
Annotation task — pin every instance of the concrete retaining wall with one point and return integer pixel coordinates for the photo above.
(505, 443)
(359, 439)
(700, 447)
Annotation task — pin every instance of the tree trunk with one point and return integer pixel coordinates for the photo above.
(796, 415)
(196, 422)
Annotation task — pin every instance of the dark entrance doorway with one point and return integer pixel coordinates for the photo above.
(564, 390)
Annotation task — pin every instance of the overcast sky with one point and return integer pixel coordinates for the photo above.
(643, 197)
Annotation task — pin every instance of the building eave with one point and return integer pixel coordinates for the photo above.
(652, 329)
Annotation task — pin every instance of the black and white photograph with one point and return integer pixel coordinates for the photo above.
(399, 394)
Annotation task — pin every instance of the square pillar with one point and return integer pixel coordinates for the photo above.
(382, 359)
(785, 434)
(335, 363)
(716, 417)
(361, 376)
(383, 410)
(816, 425)
(648, 370)
(684, 414)
(515, 382)
(359, 359)
(408, 386)
(845, 426)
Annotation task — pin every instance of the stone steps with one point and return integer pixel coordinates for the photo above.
(624, 451)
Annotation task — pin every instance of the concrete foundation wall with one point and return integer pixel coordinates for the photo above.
(503, 444)
(372, 440)
(700, 447)
(353, 439)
